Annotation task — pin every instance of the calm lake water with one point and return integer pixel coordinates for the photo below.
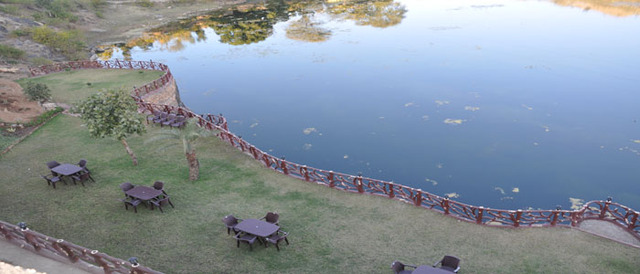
(505, 104)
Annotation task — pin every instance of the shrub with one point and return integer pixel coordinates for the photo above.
(69, 43)
(37, 91)
(21, 32)
(41, 61)
(144, 3)
(11, 52)
(44, 117)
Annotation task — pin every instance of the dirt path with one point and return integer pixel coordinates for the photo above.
(609, 230)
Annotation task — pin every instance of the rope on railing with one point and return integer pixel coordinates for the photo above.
(61, 250)
(617, 214)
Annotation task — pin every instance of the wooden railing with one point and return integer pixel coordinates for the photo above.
(61, 250)
(617, 214)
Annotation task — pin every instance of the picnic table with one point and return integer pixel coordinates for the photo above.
(257, 227)
(144, 193)
(67, 169)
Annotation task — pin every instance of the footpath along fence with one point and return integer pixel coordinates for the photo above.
(58, 249)
(608, 210)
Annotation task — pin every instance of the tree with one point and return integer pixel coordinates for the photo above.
(189, 135)
(112, 113)
(37, 91)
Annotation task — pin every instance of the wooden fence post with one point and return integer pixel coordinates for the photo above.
(516, 222)
(604, 210)
(634, 220)
(417, 201)
(554, 220)
(305, 172)
(391, 192)
(480, 213)
(332, 182)
(445, 205)
(283, 166)
(358, 182)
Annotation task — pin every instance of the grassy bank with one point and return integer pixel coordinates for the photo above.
(330, 231)
(72, 86)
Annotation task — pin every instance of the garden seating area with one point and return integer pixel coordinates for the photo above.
(448, 264)
(251, 230)
(167, 119)
(64, 172)
(150, 196)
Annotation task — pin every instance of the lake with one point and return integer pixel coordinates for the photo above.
(504, 104)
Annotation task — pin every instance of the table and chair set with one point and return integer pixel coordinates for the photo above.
(153, 196)
(167, 119)
(264, 230)
(64, 172)
(448, 264)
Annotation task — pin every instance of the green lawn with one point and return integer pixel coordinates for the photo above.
(76, 85)
(330, 231)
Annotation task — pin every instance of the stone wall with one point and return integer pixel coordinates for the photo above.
(167, 95)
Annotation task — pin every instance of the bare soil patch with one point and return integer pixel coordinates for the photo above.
(15, 107)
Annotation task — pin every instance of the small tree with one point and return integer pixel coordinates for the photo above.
(188, 136)
(37, 91)
(112, 113)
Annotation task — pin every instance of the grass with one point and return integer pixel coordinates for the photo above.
(74, 86)
(330, 231)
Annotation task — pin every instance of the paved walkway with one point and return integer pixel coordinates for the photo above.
(609, 230)
(14, 255)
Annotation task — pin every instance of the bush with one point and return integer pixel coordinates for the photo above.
(40, 61)
(144, 3)
(11, 52)
(44, 117)
(69, 43)
(37, 91)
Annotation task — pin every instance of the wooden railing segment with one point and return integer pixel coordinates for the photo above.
(61, 250)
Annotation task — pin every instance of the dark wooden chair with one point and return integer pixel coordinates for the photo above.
(271, 217)
(160, 118)
(230, 221)
(83, 164)
(450, 263)
(151, 117)
(170, 119)
(159, 185)
(161, 202)
(247, 238)
(179, 122)
(51, 165)
(277, 238)
(52, 181)
(82, 177)
(131, 202)
(400, 268)
(126, 186)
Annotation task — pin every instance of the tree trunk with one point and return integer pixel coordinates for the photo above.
(133, 156)
(194, 166)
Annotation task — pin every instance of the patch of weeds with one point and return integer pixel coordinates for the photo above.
(69, 43)
(11, 52)
(144, 3)
(40, 61)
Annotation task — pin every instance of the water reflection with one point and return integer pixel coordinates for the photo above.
(615, 8)
(253, 23)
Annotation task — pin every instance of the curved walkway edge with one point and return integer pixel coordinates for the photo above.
(15, 255)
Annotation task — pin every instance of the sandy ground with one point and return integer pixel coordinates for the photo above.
(14, 106)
